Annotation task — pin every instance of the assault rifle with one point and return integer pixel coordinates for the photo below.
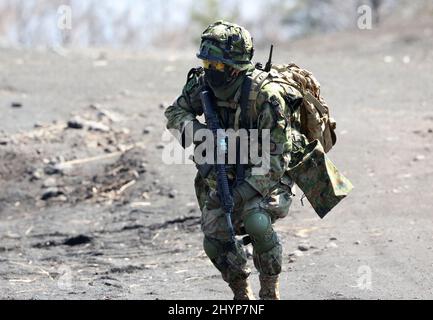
(224, 191)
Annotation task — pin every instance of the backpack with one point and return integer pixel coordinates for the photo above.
(316, 123)
(315, 174)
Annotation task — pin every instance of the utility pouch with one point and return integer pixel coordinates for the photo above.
(319, 179)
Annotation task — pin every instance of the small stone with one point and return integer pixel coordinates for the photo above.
(95, 106)
(97, 126)
(160, 146)
(304, 246)
(172, 194)
(78, 240)
(331, 245)
(135, 174)
(51, 169)
(36, 175)
(357, 242)
(292, 259)
(3, 142)
(111, 116)
(37, 125)
(419, 157)
(142, 168)
(16, 104)
(51, 193)
(76, 123)
(146, 131)
(333, 239)
(430, 130)
(161, 106)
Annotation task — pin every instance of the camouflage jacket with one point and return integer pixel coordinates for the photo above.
(273, 110)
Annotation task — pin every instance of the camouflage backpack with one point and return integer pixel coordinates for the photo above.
(316, 123)
(315, 174)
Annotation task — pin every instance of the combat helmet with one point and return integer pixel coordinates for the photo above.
(228, 43)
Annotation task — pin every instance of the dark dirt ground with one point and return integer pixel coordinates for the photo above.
(94, 213)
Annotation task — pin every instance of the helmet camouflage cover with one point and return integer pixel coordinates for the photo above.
(228, 43)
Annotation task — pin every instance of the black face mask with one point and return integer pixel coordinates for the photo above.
(216, 78)
(222, 83)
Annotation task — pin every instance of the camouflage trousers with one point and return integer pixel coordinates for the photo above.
(267, 250)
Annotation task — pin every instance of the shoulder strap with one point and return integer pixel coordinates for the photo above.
(315, 102)
(245, 106)
(249, 92)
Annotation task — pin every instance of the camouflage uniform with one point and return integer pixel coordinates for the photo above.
(275, 108)
(273, 190)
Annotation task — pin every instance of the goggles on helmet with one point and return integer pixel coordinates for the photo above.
(215, 65)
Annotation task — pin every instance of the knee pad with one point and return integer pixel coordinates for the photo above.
(259, 226)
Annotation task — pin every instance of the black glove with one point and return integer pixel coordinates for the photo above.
(241, 194)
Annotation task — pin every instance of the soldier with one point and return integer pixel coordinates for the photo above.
(259, 200)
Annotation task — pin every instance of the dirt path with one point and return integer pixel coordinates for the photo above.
(89, 211)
